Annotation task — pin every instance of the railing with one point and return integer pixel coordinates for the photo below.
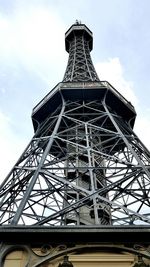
(71, 85)
(78, 27)
(46, 98)
(122, 98)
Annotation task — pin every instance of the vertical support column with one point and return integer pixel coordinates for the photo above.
(91, 175)
(34, 178)
(125, 140)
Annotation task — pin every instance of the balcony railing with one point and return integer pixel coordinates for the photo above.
(80, 85)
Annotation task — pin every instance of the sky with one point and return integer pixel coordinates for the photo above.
(33, 60)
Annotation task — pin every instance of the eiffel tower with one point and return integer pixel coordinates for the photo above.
(84, 166)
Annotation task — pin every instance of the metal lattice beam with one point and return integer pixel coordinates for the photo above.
(88, 170)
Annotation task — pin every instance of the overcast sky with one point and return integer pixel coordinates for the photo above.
(33, 59)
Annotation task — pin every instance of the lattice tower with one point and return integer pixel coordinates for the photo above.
(84, 164)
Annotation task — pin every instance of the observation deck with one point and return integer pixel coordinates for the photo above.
(83, 91)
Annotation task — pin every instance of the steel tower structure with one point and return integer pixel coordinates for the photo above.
(84, 164)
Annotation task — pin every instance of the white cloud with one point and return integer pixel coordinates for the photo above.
(30, 37)
(112, 71)
(11, 145)
(142, 126)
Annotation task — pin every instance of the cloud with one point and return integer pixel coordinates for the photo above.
(11, 145)
(112, 70)
(30, 37)
(142, 126)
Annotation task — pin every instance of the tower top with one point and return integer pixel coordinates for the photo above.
(79, 43)
(78, 29)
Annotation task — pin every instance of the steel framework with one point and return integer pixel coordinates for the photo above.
(79, 43)
(84, 164)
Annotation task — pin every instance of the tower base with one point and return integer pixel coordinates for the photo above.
(85, 246)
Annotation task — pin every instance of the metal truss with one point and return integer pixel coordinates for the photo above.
(84, 166)
(80, 67)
